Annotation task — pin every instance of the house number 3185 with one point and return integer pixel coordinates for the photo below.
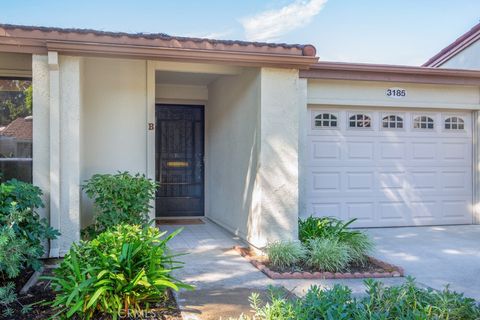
(396, 92)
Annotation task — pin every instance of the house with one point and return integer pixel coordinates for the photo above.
(249, 135)
(463, 53)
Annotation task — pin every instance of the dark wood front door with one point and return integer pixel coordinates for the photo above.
(179, 160)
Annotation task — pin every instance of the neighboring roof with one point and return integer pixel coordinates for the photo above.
(20, 128)
(390, 73)
(454, 48)
(32, 39)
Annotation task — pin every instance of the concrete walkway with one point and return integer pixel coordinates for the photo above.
(435, 256)
(224, 280)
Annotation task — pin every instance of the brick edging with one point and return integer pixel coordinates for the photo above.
(396, 270)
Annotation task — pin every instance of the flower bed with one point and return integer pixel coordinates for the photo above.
(374, 269)
(41, 292)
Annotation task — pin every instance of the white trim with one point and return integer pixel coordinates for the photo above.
(150, 134)
(338, 102)
(55, 218)
(475, 169)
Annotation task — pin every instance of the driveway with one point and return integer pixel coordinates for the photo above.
(435, 256)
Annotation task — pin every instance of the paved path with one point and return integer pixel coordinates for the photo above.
(224, 280)
(435, 256)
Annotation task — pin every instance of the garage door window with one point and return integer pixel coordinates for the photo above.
(326, 120)
(392, 122)
(360, 121)
(423, 122)
(454, 123)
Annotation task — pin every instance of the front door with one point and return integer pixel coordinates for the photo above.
(179, 160)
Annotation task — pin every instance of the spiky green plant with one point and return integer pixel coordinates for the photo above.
(122, 271)
(328, 254)
(285, 254)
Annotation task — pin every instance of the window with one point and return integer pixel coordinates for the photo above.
(16, 129)
(454, 123)
(326, 120)
(423, 122)
(392, 122)
(360, 121)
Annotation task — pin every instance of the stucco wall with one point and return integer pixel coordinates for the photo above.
(252, 153)
(469, 58)
(114, 119)
(372, 93)
(232, 146)
(169, 92)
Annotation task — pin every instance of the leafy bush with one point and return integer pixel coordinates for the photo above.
(323, 227)
(284, 254)
(8, 296)
(406, 301)
(358, 242)
(21, 235)
(125, 268)
(18, 204)
(15, 252)
(328, 254)
(360, 246)
(120, 199)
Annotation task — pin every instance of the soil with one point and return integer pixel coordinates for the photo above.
(41, 292)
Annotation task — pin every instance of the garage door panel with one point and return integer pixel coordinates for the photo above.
(363, 211)
(391, 177)
(424, 151)
(360, 150)
(392, 150)
(361, 180)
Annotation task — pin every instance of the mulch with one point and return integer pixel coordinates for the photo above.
(41, 292)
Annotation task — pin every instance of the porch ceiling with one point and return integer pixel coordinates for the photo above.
(184, 78)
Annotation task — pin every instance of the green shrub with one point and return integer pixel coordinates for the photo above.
(8, 297)
(323, 227)
(328, 255)
(407, 302)
(119, 199)
(18, 204)
(21, 235)
(15, 252)
(123, 269)
(360, 244)
(284, 254)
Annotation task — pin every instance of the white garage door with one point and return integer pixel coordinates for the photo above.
(390, 167)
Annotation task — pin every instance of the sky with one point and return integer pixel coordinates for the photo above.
(406, 32)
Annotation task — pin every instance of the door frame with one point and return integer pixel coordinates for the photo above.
(201, 107)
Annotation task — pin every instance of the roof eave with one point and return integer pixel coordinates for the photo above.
(391, 73)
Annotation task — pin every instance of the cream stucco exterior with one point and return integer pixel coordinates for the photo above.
(96, 114)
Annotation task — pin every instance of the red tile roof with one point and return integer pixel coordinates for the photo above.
(20, 128)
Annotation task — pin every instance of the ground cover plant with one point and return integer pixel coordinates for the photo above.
(120, 198)
(406, 301)
(124, 270)
(22, 233)
(325, 244)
